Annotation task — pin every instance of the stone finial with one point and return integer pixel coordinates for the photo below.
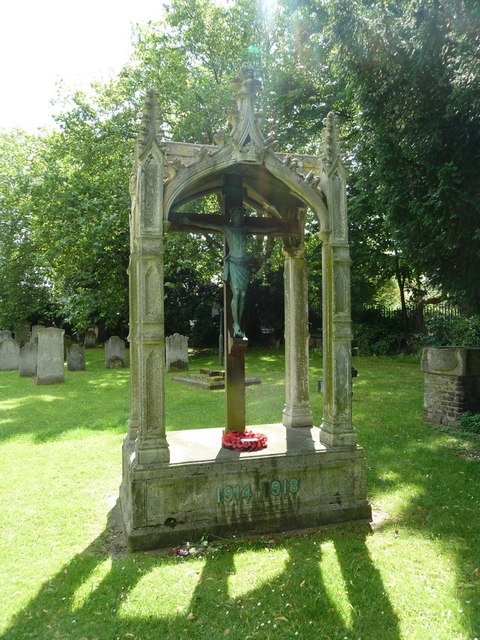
(246, 85)
(245, 134)
(151, 127)
(332, 147)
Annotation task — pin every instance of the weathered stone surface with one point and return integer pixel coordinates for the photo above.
(90, 339)
(297, 412)
(35, 329)
(28, 359)
(22, 333)
(76, 358)
(177, 352)
(451, 383)
(9, 354)
(5, 334)
(294, 483)
(451, 361)
(50, 369)
(115, 353)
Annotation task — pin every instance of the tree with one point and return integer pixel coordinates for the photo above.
(413, 72)
(25, 294)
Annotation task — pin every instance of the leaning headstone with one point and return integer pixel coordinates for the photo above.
(90, 339)
(50, 356)
(22, 333)
(177, 353)
(35, 329)
(115, 353)
(9, 355)
(5, 335)
(76, 358)
(28, 359)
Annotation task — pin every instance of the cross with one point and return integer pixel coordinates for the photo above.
(233, 299)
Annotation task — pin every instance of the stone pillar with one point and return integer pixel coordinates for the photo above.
(452, 383)
(297, 412)
(337, 429)
(133, 421)
(146, 292)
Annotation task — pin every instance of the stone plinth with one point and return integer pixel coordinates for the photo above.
(5, 335)
(452, 383)
(295, 483)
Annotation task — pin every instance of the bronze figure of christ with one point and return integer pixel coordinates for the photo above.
(236, 260)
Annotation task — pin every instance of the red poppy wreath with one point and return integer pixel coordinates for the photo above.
(244, 441)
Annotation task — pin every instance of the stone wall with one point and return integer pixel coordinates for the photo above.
(452, 383)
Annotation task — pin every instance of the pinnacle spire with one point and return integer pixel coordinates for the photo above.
(151, 127)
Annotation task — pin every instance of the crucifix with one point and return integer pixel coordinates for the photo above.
(235, 227)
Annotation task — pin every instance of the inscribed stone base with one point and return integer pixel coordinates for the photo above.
(295, 483)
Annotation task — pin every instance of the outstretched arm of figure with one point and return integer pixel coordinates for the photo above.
(211, 226)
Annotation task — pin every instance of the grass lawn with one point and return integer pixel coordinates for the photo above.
(414, 575)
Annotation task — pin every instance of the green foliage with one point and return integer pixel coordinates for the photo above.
(470, 422)
(413, 91)
(452, 331)
(374, 339)
(24, 285)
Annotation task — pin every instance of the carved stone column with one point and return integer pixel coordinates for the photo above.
(146, 281)
(337, 429)
(133, 421)
(297, 412)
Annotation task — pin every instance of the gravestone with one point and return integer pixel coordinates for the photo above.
(452, 383)
(67, 343)
(22, 333)
(28, 359)
(35, 329)
(4, 335)
(9, 354)
(50, 369)
(115, 353)
(75, 358)
(90, 339)
(177, 353)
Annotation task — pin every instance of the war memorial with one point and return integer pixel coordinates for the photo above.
(283, 476)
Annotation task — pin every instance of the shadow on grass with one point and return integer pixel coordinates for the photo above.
(427, 478)
(295, 603)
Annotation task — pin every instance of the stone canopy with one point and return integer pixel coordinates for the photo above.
(243, 168)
